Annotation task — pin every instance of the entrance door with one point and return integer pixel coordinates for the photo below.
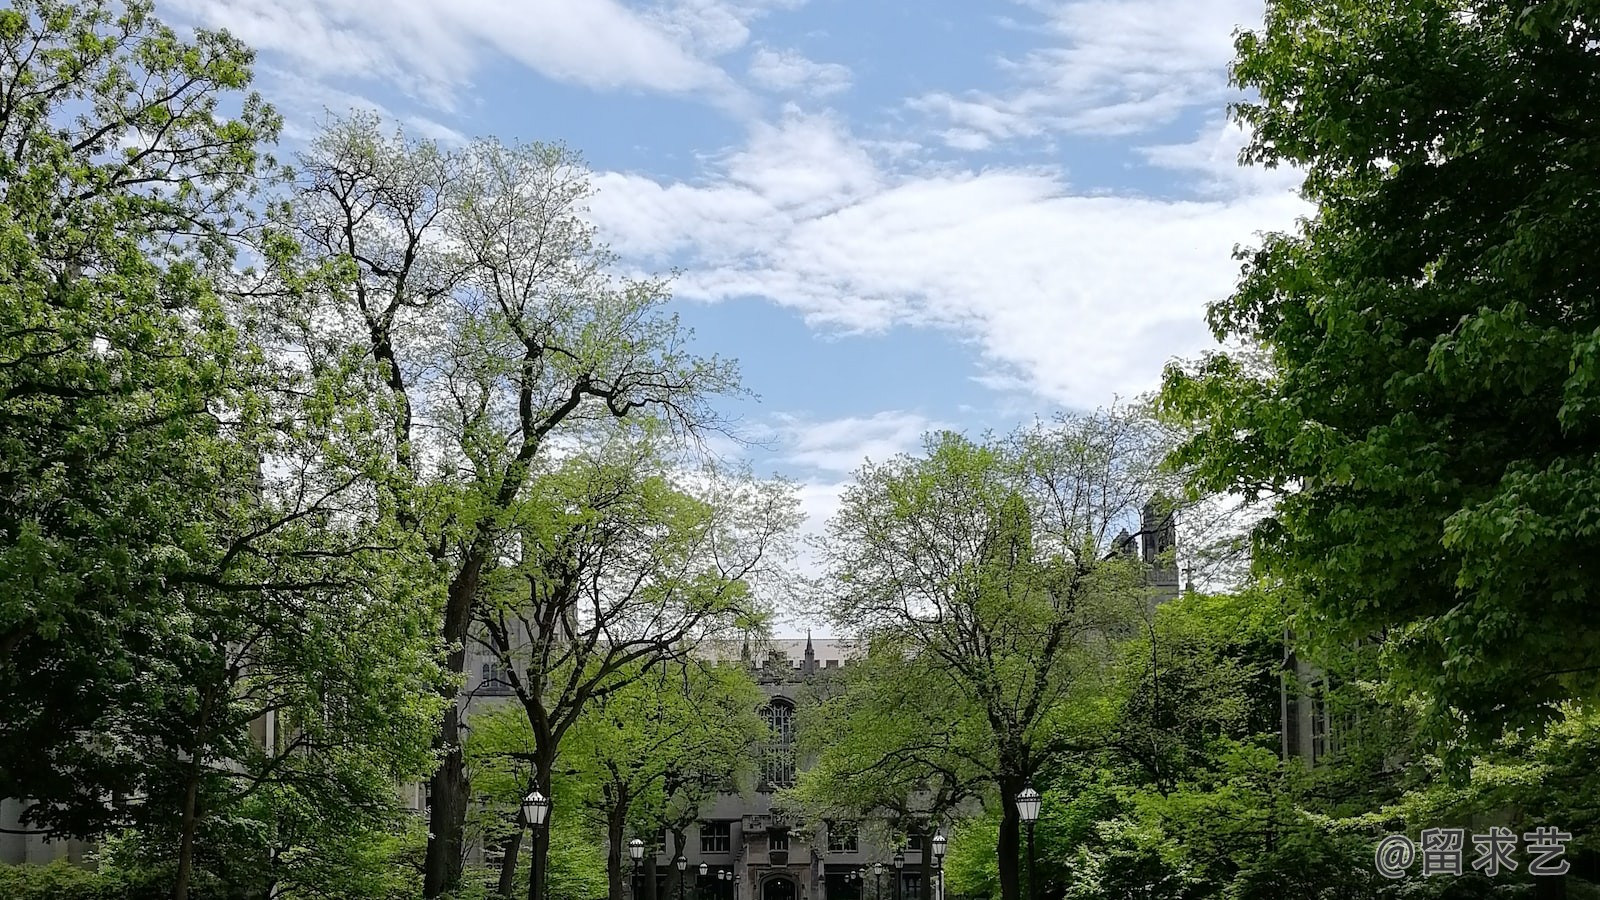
(778, 889)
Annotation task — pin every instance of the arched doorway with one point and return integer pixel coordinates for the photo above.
(779, 888)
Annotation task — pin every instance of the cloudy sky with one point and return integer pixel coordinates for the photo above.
(897, 215)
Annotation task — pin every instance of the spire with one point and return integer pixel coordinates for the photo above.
(1124, 544)
(811, 655)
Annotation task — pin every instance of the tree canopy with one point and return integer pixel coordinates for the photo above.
(1423, 418)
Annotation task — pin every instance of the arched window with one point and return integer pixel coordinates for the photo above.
(777, 757)
(780, 718)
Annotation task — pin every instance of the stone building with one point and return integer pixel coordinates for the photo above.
(742, 835)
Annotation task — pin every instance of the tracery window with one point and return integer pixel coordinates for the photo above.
(777, 757)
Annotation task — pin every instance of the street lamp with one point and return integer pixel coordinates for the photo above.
(877, 880)
(682, 864)
(938, 860)
(535, 810)
(899, 879)
(635, 850)
(1028, 809)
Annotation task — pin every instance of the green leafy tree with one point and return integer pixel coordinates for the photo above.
(620, 568)
(994, 562)
(115, 360)
(1419, 390)
(1186, 795)
(474, 282)
(499, 758)
(897, 750)
(650, 754)
(189, 555)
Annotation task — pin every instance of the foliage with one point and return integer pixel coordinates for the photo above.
(62, 880)
(189, 562)
(995, 563)
(621, 565)
(649, 756)
(577, 863)
(474, 283)
(642, 756)
(872, 761)
(1226, 817)
(1423, 417)
(970, 866)
(115, 362)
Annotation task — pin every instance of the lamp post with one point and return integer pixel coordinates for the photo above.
(938, 861)
(699, 883)
(899, 874)
(682, 864)
(535, 810)
(877, 881)
(635, 850)
(1028, 810)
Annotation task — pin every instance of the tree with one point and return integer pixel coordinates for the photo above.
(499, 756)
(1206, 667)
(651, 753)
(115, 356)
(1192, 724)
(619, 569)
(995, 562)
(875, 763)
(1422, 416)
(472, 279)
(189, 551)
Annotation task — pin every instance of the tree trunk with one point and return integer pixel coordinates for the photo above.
(614, 832)
(191, 802)
(1008, 847)
(447, 817)
(508, 866)
(539, 863)
(925, 891)
(650, 892)
(447, 814)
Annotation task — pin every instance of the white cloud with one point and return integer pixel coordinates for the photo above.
(1082, 298)
(714, 27)
(819, 502)
(1109, 67)
(961, 139)
(1214, 157)
(842, 445)
(789, 71)
(436, 131)
(305, 103)
(431, 50)
(787, 173)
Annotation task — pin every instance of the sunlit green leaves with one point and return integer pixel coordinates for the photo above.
(1421, 417)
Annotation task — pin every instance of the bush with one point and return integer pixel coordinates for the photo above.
(62, 880)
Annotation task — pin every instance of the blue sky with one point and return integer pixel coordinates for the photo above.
(897, 215)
